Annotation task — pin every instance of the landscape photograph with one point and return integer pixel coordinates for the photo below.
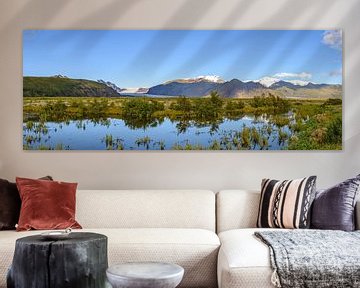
(182, 90)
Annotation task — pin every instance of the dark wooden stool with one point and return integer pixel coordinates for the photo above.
(78, 261)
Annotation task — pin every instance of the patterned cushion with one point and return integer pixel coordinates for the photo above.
(286, 204)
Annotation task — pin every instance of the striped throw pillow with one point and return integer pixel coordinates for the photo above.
(286, 204)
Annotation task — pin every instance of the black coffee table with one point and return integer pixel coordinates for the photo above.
(78, 261)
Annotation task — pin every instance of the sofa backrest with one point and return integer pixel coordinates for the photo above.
(236, 209)
(239, 209)
(146, 209)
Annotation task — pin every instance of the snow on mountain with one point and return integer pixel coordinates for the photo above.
(134, 90)
(211, 78)
(298, 82)
(201, 78)
(267, 81)
(59, 76)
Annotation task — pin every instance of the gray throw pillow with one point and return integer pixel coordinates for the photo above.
(334, 208)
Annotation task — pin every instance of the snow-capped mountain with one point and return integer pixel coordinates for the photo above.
(203, 85)
(270, 81)
(266, 81)
(210, 78)
(299, 82)
(202, 78)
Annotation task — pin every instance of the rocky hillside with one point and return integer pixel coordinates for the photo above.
(232, 88)
(65, 87)
(194, 89)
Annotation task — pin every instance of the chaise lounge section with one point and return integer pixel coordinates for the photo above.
(244, 260)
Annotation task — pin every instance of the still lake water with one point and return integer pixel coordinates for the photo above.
(88, 135)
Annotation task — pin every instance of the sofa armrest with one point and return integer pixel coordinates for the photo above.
(357, 215)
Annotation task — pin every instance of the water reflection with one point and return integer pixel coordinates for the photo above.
(259, 132)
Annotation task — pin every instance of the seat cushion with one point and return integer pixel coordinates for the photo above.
(196, 250)
(244, 261)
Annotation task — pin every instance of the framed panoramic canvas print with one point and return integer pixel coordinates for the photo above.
(182, 90)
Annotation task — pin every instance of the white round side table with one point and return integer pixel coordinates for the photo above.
(145, 275)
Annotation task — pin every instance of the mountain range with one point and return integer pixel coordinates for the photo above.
(198, 87)
(190, 87)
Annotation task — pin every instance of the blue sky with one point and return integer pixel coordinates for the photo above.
(144, 58)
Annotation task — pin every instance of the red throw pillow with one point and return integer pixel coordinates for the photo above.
(10, 204)
(46, 204)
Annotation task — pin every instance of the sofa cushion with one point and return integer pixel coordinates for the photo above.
(146, 209)
(334, 208)
(286, 204)
(194, 249)
(46, 204)
(10, 204)
(244, 261)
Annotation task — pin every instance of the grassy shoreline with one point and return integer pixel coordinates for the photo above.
(315, 125)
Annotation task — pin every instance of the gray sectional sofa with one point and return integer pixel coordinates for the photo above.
(210, 235)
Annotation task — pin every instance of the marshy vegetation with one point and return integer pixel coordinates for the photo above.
(181, 123)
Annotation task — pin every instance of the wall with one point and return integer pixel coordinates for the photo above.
(213, 170)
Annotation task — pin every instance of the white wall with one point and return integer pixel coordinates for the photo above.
(213, 170)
